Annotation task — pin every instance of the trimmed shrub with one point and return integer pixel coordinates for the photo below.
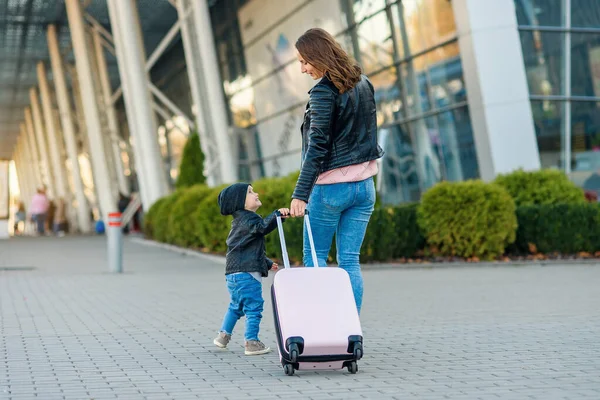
(182, 228)
(465, 219)
(381, 237)
(160, 224)
(468, 219)
(150, 217)
(212, 228)
(562, 228)
(546, 186)
(409, 238)
(191, 169)
(392, 233)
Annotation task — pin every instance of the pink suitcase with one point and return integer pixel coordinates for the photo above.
(316, 321)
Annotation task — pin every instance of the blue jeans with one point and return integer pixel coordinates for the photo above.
(40, 220)
(343, 209)
(246, 299)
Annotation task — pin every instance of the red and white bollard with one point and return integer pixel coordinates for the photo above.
(115, 243)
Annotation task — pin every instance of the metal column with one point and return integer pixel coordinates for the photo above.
(214, 89)
(141, 175)
(68, 128)
(134, 77)
(200, 107)
(27, 166)
(29, 182)
(99, 98)
(53, 136)
(567, 117)
(41, 141)
(22, 176)
(26, 185)
(33, 149)
(90, 107)
(20, 158)
(16, 157)
(496, 82)
(111, 116)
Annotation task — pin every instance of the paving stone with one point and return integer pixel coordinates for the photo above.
(70, 330)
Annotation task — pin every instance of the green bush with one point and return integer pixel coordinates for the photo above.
(392, 233)
(160, 224)
(381, 236)
(212, 228)
(182, 228)
(546, 186)
(562, 228)
(409, 238)
(468, 219)
(191, 169)
(150, 217)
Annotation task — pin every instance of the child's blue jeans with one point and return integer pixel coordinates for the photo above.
(246, 299)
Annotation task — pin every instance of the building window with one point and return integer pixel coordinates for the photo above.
(424, 120)
(409, 50)
(561, 48)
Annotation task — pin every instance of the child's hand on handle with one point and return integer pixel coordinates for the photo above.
(285, 212)
(275, 266)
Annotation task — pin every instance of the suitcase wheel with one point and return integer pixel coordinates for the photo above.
(353, 367)
(288, 369)
(356, 349)
(358, 352)
(294, 352)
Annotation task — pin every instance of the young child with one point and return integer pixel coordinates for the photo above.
(246, 263)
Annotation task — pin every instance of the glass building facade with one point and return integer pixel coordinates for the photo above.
(410, 51)
(561, 49)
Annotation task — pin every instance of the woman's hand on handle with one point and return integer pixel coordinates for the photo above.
(297, 208)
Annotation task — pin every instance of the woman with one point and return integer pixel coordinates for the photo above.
(38, 210)
(339, 153)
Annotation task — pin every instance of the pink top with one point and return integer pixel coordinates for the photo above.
(39, 204)
(351, 173)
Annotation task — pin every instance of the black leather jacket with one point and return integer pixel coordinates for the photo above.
(338, 130)
(246, 242)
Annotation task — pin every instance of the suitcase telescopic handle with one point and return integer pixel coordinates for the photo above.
(313, 252)
(284, 253)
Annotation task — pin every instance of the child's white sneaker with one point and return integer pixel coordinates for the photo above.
(256, 347)
(222, 340)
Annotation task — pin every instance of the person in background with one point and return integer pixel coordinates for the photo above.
(20, 216)
(60, 219)
(38, 210)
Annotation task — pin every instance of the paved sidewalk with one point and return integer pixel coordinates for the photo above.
(70, 330)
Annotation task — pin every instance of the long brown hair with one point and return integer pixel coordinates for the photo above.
(320, 49)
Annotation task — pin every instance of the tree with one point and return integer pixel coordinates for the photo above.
(191, 169)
